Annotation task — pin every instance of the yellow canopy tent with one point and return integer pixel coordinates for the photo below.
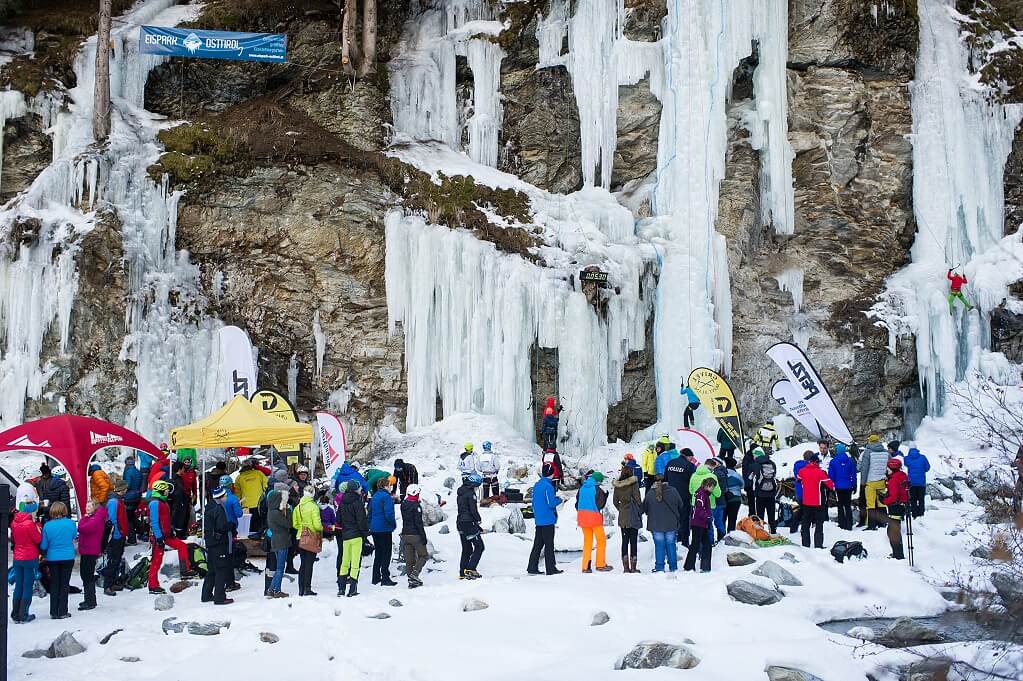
(239, 423)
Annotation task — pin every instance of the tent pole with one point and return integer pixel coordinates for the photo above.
(6, 505)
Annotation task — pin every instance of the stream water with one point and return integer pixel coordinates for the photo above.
(952, 626)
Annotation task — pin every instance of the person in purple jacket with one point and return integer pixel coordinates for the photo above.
(700, 524)
(91, 528)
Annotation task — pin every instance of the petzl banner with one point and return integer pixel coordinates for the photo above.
(788, 397)
(333, 446)
(237, 370)
(715, 394)
(810, 388)
(185, 42)
(277, 405)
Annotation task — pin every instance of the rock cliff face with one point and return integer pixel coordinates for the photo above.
(286, 229)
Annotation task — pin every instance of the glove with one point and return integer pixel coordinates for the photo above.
(159, 542)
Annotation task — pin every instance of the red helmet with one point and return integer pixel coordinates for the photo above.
(894, 464)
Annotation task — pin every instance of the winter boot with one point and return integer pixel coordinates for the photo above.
(24, 616)
(157, 590)
(341, 583)
(605, 568)
(16, 610)
(632, 563)
(353, 587)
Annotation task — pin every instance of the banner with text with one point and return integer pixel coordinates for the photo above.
(185, 42)
(715, 393)
(237, 370)
(788, 397)
(278, 406)
(810, 388)
(333, 445)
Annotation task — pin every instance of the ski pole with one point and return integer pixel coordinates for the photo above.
(909, 536)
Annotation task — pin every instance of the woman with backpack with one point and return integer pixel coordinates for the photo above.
(91, 528)
(589, 503)
(629, 503)
(305, 519)
(765, 487)
(733, 493)
(663, 508)
(58, 544)
(700, 524)
(467, 522)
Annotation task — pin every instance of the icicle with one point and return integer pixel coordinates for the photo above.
(485, 61)
(321, 343)
(293, 379)
(550, 34)
(791, 280)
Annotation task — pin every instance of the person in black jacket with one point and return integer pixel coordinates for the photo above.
(406, 474)
(468, 525)
(351, 516)
(677, 474)
(52, 491)
(216, 530)
(180, 502)
(413, 536)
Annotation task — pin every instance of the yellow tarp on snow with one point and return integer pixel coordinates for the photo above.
(239, 423)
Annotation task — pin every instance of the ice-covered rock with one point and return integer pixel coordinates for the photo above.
(65, 645)
(906, 631)
(777, 574)
(450, 483)
(739, 540)
(432, 513)
(789, 674)
(787, 556)
(444, 529)
(208, 628)
(473, 604)
(511, 523)
(862, 633)
(738, 559)
(1009, 588)
(753, 594)
(653, 654)
(130, 658)
(394, 603)
(171, 625)
(163, 602)
(379, 616)
(600, 618)
(269, 637)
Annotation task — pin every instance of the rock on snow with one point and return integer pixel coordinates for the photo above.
(653, 654)
(738, 559)
(600, 618)
(472, 604)
(753, 594)
(789, 674)
(777, 574)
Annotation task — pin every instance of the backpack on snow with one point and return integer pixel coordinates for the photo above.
(138, 575)
(754, 527)
(197, 557)
(122, 570)
(848, 549)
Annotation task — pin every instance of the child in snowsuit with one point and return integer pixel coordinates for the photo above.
(955, 290)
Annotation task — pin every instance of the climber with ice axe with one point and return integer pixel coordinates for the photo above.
(955, 290)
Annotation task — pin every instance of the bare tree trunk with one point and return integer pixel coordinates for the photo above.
(350, 53)
(101, 105)
(369, 37)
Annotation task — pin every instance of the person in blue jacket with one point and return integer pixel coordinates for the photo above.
(132, 498)
(666, 451)
(382, 526)
(232, 505)
(545, 515)
(917, 466)
(842, 471)
(692, 404)
(58, 545)
(145, 463)
(348, 472)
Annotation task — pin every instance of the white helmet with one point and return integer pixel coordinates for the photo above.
(301, 469)
(59, 472)
(412, 490)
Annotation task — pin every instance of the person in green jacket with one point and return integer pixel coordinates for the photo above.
(306, 516)
(703, 472)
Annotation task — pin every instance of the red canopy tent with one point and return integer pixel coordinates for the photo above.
(73, 440)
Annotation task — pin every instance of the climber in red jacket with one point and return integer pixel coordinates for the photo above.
(956, 291)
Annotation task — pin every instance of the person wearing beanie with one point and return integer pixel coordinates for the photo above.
(634, 467)
(589, 503)
(217, 533)
(413, 536)
(405, 474)
(278, 520)
(467, 523)
(814, 506)
(897, 503)
(132, 498)
(91, 527)
(382, 525)
(917, 467)
(706, 471)
(26, 537)
(545, 516)
(842, 471)
(120, 527)
(629, 503)
(99, 484)
(873, 467)
(702, 524)
(351, 516)
(213, 477)
(305, 520)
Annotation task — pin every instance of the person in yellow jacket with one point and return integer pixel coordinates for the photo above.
(250, 485)
(306, 516)
(767, 437)
(647, 464)
(99, 484)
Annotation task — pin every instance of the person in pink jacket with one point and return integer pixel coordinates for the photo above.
(26, 536)
(91, 528)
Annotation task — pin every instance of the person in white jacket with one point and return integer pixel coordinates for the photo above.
(488, 466)
(467, 460)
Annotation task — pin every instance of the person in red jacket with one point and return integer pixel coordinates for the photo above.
(25, 535)
(814, 507)
(161, 536)
(188, 477)
(897, 497)
(955, 290)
